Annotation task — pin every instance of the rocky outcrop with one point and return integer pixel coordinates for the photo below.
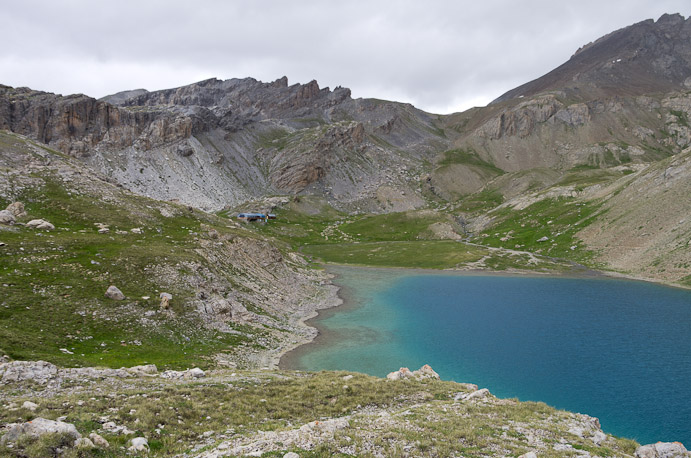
(662, 450)
(78, 124)
(39, 427)
(297, 167)
(404, 373)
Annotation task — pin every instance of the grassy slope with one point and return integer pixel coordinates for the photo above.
(423, 416)
(389, 240)
(53, 283)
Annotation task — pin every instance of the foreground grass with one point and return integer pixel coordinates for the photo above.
(385, 417)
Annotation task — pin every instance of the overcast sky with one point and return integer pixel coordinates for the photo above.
(441, 56)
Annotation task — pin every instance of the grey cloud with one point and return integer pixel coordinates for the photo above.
(439, 55)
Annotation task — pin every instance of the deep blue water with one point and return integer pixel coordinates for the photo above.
(615, 349)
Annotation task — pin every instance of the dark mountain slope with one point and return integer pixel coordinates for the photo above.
(647, 57)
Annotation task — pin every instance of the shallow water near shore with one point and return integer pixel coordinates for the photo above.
(619, 350)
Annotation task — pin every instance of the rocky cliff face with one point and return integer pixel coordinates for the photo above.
(217, 143)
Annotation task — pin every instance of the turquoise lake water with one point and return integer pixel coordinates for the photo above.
(615, 349)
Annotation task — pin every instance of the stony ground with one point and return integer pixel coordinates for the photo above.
(271, 413)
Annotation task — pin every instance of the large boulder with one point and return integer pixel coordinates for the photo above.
(40, 224)
(38, 371)
(139, 444)
(662, 450)
(186, 374)
(426, 371)
(401, 374)
(38, 427)
(114, 293)
(6, 217)
(148, 370)
(17, 209)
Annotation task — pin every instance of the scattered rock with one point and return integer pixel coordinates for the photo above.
(543, 239)
(401, 374)
(189, 373)
(144, 370)
(136, 230)
(38, 427)
(17, 209)
(114, 293)
(291, 455)
(598, 438)
(196, 373)
(66, 351)
(38, 371)
(99, 441)
(426, 371)
(347, 377)
(111, 427)
(40, 224)
(139, 444)
(528, 455)
(30, 405)
(84, 444)
(662, 450)
(103, 230)
(6, 217)
(477, 394)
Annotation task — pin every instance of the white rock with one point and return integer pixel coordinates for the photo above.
(84, 443)
(598, 438)
(38, 427)
(402, 373)
(139, 444)
(479, 394)
(40, 224)
(662, 450)
(347, 377)
(196, 373)
(66, 351)
(528, 455)
(543, 239)
(6, 217)
(138, 441)
(136, 230)
(114, 293)
(291, 455)
(99, 441)
(166, 295)
(393, 375)
(38, 371)
(144, 370)
(45, 226)
(17, 209)
(110, 426)
(426, 371)
(30, 405)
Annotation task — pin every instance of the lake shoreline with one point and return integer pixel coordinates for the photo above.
(358, 327)
(340, 301)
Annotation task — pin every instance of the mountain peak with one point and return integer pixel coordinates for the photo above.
(649, 56)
